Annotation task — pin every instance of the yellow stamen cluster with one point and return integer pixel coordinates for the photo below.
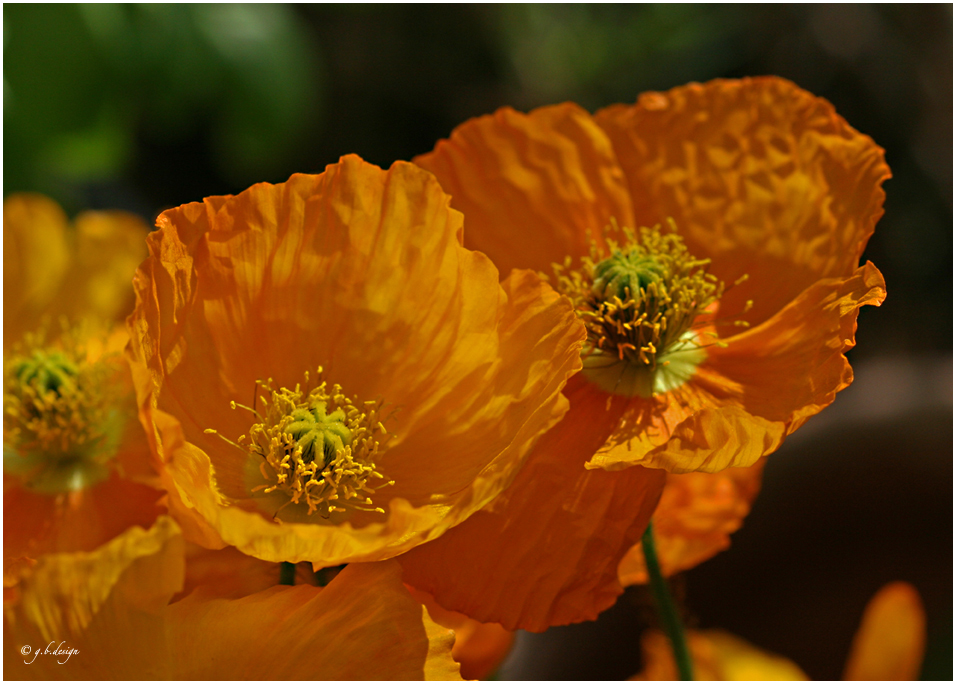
(54, 400)
(317, 446)
(639, 299)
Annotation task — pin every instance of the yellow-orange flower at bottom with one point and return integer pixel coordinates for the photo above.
(694, 520)
(283, 632)
(889, 645)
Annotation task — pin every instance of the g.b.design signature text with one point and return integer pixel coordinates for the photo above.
(60, 652)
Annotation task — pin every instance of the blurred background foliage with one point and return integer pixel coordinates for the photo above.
(148, 106)
(143, 107)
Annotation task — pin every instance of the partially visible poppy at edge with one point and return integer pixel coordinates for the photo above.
(76, 461)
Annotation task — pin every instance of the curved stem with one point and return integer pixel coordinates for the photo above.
(667, 612)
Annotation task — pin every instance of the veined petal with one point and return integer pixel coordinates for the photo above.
(546, 552)
(747, 396)
(694, 520)
(62, 593)
(129, 631)
(361, 271)
(802, 348)
(534, 187)
(760, 176)
(889, 644)
(363, 626)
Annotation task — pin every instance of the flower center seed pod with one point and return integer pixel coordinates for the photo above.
(315, 449)
(642, 302)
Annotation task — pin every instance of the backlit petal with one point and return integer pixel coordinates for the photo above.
(694, 520)
(889, 644)
(62, 594)
(533, 187)
(81, 520)
(746, 397)
(363, 626)
(759, 175)
(546, 552)
(114, 609)
(716, 655)
(107, 248)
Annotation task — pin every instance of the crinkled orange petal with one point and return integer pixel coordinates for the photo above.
(36, 255)
(760, 176)
(793, 365)
(687, 430)
(479, 648)
(763, 385)
(533, 187)
(63, 593)
(364, 625)
(715, 655)
(694, 520)
(361, 271)
(890, 642)
(546, 552)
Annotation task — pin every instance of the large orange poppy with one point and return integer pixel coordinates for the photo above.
(435, 380)
(753, 178)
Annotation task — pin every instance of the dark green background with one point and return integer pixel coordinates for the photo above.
(150, 106)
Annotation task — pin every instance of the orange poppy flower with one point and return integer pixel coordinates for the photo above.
(751, 178)
(76, 460)
(759, 179)
(433, 379)
(889, 645)
(694, 520)
(72, 627)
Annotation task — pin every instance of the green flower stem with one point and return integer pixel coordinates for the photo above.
(667, 612)
(287, 573)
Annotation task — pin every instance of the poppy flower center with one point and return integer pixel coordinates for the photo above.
(61, 418)
(318, 447)
(639, 300)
